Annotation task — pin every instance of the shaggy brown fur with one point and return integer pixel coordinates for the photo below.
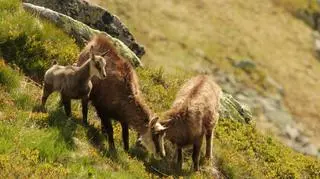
(194, 114)
(118, 96)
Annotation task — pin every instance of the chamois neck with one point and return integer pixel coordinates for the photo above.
(138, 116)
(85, 71)
(175, 129)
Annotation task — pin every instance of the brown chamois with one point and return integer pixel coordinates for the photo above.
(74, 82)
(194, 114)
(118, 96)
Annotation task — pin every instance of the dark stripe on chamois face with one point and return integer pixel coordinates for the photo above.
(98, 66)
(156, 141)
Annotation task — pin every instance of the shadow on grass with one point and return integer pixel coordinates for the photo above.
(96, 138)
(65, 125)
(160, 167)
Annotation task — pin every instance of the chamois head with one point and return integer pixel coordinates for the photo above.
(153, 140)
(98, 64)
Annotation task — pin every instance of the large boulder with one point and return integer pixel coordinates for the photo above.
(95, 17)
(231, 109)
(80, 31)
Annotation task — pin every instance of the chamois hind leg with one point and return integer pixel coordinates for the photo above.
(67, 105)
(179, 158)
(196, 153)
(84, 104)
(47, 90)
(125, 135)
(209, 144)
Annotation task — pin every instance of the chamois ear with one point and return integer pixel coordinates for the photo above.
(156, 126)
(153, 121)
(91, 53)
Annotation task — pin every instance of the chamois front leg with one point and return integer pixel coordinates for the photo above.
(67, 105)
(125, 135)
(84, 103)
(106, 127)
(47, 90)
(209, 144)
(179, 158)
(196, 153)
(109, 129)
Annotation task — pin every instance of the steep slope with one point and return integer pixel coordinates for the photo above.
(51, 145)
(189, 35)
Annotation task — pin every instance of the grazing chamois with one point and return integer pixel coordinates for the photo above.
(194, 114)
(74, 82)
(118, 96)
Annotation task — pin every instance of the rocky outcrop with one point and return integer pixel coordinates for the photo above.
(81, 32)
(95, 17)
(232, 109)
(268, 109)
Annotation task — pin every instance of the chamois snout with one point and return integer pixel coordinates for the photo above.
(153, 139)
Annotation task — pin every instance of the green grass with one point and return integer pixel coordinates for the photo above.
(242, 152)
(30, 43)
(50, 145)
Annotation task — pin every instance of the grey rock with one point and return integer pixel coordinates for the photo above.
(269, 110)
(246, 65)
(95, 17)
(309, 150)
(230, 108)
(81, 32)
(291, 132)
(303, 140)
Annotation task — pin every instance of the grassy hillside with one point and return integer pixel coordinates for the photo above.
(50, 145)
(194, 36)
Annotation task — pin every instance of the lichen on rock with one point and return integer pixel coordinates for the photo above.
(95, 17)
(81, 32)
(230, 108)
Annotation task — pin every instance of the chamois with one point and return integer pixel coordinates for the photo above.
(194, 114)
(118, 96)
(74, 82)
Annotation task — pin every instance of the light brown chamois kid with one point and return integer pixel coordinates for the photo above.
(193, 115)
(74, 82)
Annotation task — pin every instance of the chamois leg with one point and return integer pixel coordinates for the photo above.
(84, 104)
(125, 135)
(209, 144)
(47, 90)
(196, 153)
(179, 158)
(109, 130)
(67, 105)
